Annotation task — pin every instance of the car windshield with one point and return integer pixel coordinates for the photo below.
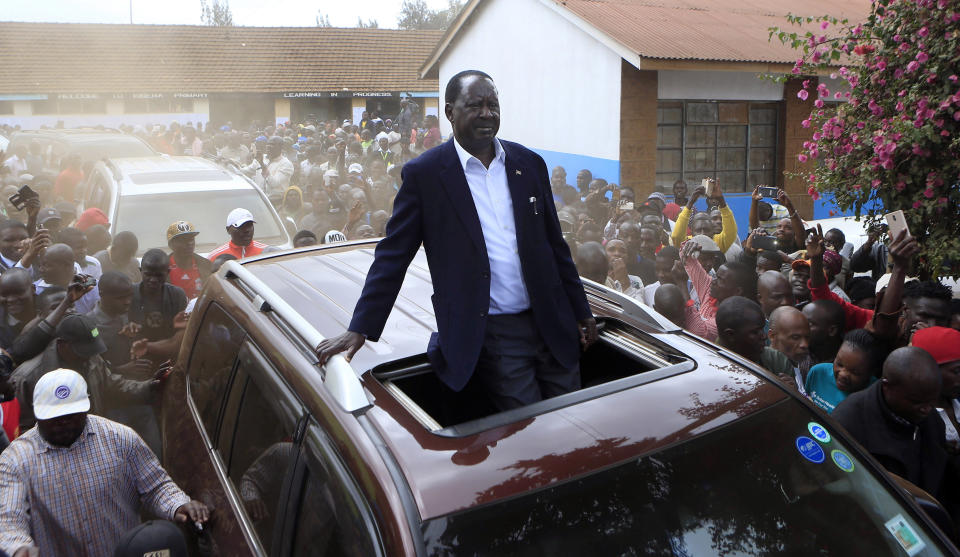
(114, 148)
(148, 216)
(760, 486)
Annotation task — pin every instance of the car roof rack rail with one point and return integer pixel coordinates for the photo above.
(114, 169)
(339, 377)
(631, 306)
(223, 161)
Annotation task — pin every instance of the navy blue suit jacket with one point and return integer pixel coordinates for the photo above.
(434, 207)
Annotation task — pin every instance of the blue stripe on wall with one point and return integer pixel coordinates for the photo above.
(609, 170)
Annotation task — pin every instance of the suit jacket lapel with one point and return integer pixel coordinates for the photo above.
(520, 193)
(457, 190)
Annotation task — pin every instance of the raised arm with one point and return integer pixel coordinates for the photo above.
(680, 227)
(795, 220)
(755, 199)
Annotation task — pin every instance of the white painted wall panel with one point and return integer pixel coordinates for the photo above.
(559, 87)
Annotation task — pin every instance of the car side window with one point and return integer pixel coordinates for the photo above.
(211, 363)
(262, 446)
(99, 198)
(332, 516)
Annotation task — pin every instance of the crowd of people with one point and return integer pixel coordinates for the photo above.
(88, 329)
(850, 329)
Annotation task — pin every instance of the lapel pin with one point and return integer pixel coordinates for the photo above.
(518, 172)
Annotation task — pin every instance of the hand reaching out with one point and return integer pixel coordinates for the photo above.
(138, 349)
(130, 330)
(815, 243)
(689, 249)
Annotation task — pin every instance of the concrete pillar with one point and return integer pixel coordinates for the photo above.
(281, 110)
(638, 130)
(792, 136)
(22, 108)
(115, 106)
(431, 105)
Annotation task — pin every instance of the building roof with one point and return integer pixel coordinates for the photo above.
(687, 30)
(102, 58)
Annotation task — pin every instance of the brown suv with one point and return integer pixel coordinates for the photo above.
(672, 446)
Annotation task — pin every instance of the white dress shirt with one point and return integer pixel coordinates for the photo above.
(491, 196)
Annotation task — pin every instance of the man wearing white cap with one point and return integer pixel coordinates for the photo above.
(240, 228)
(75, 483)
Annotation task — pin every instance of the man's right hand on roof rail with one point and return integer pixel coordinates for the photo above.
(349, 341)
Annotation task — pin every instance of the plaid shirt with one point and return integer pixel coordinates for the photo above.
(79, 500)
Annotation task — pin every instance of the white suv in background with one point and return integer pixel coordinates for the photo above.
(145, 194)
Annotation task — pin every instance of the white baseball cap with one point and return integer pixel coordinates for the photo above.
(239, 216)
(334, 236)
(58, 393)
(355, 167)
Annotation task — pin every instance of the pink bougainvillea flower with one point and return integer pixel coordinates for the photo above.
(917, 204)
(928, 193)
(806, 123)
(802, 94)
(913, 66)
(824, 25)
(818, 103)
(801, 157)
(813, 193)
(922, 57)
(881, 64)
(923, 32)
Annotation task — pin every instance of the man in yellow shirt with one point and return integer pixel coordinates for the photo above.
(701, 223)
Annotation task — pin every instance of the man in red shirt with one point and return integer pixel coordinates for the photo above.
(187, 269)
(240, 228)
(68, 179)
(672, 209)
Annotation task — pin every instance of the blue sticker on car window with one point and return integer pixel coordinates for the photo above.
(810, 450)
(819, 432)
(842, 460)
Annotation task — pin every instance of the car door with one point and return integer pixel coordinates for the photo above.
(326, 510)
(240, 420)
(257, 445)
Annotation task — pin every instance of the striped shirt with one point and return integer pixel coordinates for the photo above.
(255, 248)
(79, 500)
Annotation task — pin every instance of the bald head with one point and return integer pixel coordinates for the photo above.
(15, 278)
(785, 316)
(56, 265)
(910, 365)
(789, 332)
(668, 301)
(774, 291)
(911, 383)
(592, 261)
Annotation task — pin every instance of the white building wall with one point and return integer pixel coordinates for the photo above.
(559, 88)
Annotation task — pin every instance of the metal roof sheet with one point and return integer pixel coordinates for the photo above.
(716, 30)
(104, 58)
